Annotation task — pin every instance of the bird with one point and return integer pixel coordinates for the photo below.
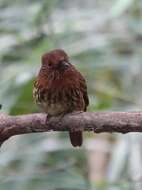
(60, 88)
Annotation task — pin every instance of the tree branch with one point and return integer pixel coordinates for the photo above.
(98, 122)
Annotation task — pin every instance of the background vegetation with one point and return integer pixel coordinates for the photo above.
(104, 41)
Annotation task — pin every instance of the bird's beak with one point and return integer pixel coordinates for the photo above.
(63, 65)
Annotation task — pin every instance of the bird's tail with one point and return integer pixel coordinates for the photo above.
(76, 138)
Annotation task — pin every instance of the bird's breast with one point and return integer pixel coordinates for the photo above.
(52, 101)
(59, 96)
(53, 108)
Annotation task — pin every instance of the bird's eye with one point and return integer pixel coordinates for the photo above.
(61, 61)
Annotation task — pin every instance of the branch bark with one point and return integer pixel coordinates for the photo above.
(122, 122)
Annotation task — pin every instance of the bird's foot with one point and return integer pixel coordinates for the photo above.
(61, 116)
(47, 118)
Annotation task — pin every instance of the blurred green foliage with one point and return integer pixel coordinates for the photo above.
(104, 41)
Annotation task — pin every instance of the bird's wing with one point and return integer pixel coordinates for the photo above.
(83, 88)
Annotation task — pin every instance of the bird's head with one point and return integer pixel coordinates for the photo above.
(55, 60)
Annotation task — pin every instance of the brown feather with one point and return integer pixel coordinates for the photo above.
(60, 89)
